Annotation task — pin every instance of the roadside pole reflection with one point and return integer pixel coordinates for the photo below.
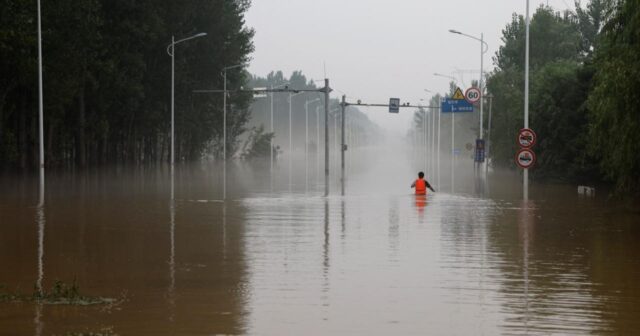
(526, 227)
(40, 220)
(325, 246)
(325, 262)
(172, 256)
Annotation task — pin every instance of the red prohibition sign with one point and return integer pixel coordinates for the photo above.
(525, 158)
(526, 138)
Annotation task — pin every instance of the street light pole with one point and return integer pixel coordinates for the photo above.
(173, 75)
(433, 140)
(483, 45)
(306, 141)
(290, 141)
(326, 137)
(271, 144)
(439, 120)
(290, 137)
(424, 138)
(453, 132)
(525, 178)
(40, 109)
(224, 137)
(488, 146)
(429, 141)
(344, 97)
(224, 130)
(171, 52)
(317, 145)
(273, 134)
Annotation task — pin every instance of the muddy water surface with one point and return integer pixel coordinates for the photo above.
(377, 261)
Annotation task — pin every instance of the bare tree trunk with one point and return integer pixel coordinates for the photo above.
(3, 100)
(105, 149)
(22, 133)
(50, 157)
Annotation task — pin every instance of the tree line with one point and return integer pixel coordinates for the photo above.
(584, 97)
(107, 80)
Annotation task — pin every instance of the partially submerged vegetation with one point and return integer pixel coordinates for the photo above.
(60, 294)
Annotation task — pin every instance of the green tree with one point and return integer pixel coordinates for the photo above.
(614, 101)
(257, 145)
(107, 80)
(555, 57)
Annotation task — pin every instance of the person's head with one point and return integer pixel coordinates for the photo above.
(420, 175)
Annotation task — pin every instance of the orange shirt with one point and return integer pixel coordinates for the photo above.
(421, 187)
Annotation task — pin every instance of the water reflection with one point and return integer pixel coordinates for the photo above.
(40, 220)
(326, 285)
(172, 255)
(376, 261)
(526, 229)
(421, 201)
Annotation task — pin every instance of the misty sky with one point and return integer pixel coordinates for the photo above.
(376, 49)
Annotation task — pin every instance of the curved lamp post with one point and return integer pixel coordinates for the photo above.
(171, 51)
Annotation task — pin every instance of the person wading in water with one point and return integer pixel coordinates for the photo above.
(421, 185)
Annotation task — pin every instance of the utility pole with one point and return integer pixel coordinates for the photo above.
(224, 139)
(290, 141)
(438, 153)
(271, 145)
(326, 90)
(317, 145)
(342, 147)
(425, 137)
(525, 179)
(40, 110)
(453, 149)
(488, 145)
(306, 142)
(306, 146)
(326, 137)
(433, 140)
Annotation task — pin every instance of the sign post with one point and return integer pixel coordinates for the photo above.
(525, 157)
(456, 104)
(479, 154)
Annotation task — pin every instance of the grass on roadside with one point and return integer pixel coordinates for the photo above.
(60, 294)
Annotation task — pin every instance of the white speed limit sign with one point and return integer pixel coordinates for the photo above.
(472, 95)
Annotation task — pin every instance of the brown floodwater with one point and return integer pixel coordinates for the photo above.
(280, 259)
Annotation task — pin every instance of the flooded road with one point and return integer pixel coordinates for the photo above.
(377, 261)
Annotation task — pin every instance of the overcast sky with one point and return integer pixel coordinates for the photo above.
(376, 49)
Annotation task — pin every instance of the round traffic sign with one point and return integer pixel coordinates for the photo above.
(525, 158)
(526, 138)
(472, 95)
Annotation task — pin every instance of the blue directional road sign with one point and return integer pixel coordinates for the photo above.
(394, 105)
(456, 105)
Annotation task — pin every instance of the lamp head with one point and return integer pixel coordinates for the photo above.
(454, 31)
